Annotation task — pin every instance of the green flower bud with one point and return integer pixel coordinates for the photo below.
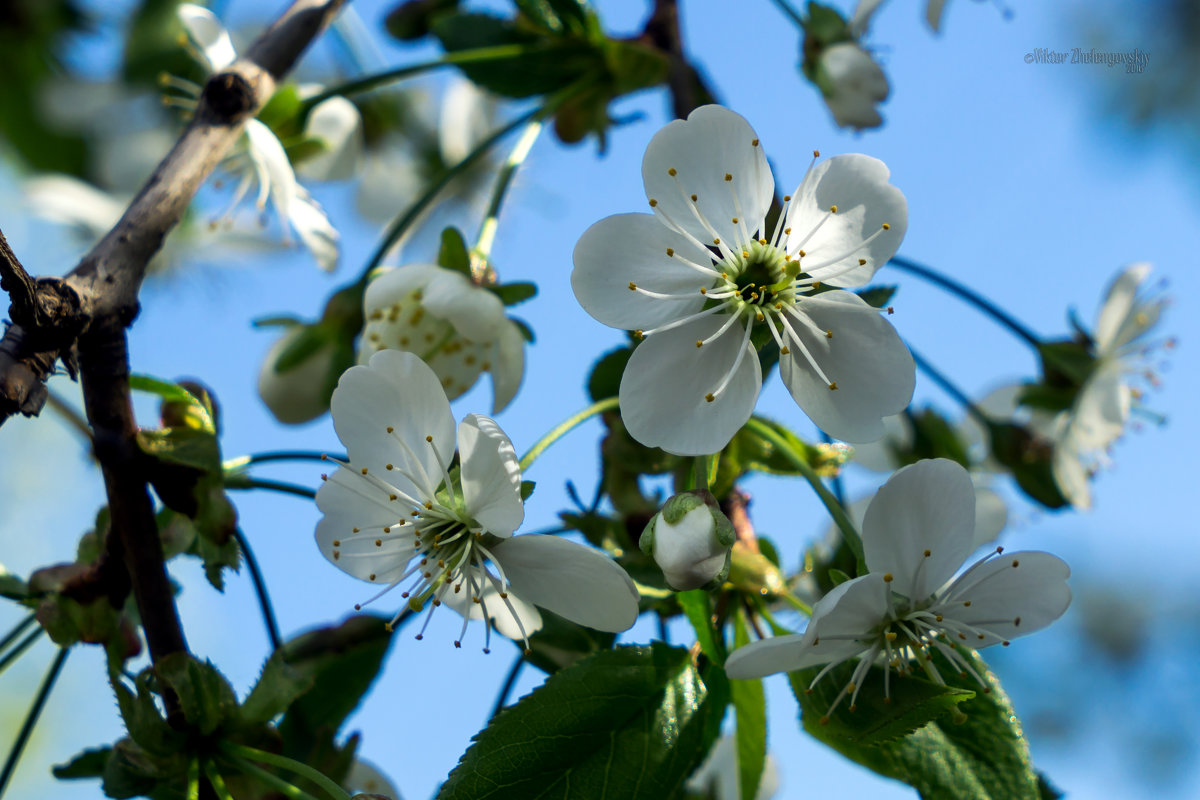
(689, 539)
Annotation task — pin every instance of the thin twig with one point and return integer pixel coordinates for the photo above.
(260, 589)
(35, 711)
(506, 689)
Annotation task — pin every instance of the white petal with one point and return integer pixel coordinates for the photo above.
(1012, 595)
(271, 164)
(765, 657)
(491, 476)
(569, 579)
(67, 200)
(991, 515)
(356, 512)
(1101, 408)
(1119, 303)
(862, 15)
(464, 120)
(337, 124)
(315, 229)
(711, 143)
(632, 248)
(508, 366)
(858, 186)
(666, 380)
(872, 368)
(474, 312)
(365, 777)
(394, 285)
(514, 619)
(880, 455)
(209, 35)
(925, 507)
(1071, 474)
(399, 391)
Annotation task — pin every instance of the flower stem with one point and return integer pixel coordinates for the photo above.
(844, 523)
(260, 589)
(796, 603)
(491, 220)
(565, 427)
(279, 455)
(245, 482)
(19, 649)
(971, 296)
(506, 689)
(401, 224)
(274, 781)
(241, 752)
(477, 54)
(17, 630)
(193, 780)
(790, 12)
(951, 389)
(216, 781)
(35, 711)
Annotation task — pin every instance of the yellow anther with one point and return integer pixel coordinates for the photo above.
(703, 290)
(429, 438)
(763, 242)
(728, 177)
(387, 528)
(833, 209)
(632, 286)
(784, 350)
(787, 198)
(379, 542)
(392, 497)
(638, 335)
(364, 470)
(862, 262)
(1015, 562)
(352, 530)
(390, 429)
(699, 343)
(671, 172)
(389, 466)
(887, 577)
(828, 334)
(887, 227)
(928, 553)
(745, 253)
(801, 253)
(734, 220)
(716, 241)
(428, 506)
(967, 603)
(891, 310)
(337, 542)
(890, 636)
(754, 142)
(710, 397)
(695, 198)
(653, 202)
(670, 252)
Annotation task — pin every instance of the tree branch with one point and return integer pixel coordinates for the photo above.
(689, 89)
(106, 281)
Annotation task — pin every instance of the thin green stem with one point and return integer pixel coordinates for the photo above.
(20, 627)
(796, 603)
(193, 779)
(565, 427)
(260, 589)
(245, 483)
(282, 455)
(506, 689)
(948, 386)
(491, 219)
(70, 415)
(475, 55)
(304, 770)
(19, 649)
(971, 296)
(761, 607)
(216, 781)
(792, 13)
(274, 781)
(35, 711)
(401, 224)
(835, 509)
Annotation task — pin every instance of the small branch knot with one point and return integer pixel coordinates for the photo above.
(230, 96)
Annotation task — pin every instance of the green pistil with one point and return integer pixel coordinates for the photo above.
(759, 273)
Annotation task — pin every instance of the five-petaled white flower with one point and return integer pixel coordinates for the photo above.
(702, 273)
(456, 326)
(1111, 391)
(396, 514)
(262, 158)
(916, 533)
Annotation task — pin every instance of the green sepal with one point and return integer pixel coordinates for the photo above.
(452, 252)
(559, 643)
(1030, 460)
(302, 348)
(512, 294)
(143, 721)
(205, 696)
(837, 577)
(88, 764)
(527, 488)
(877, 296)
(641, 720)
(411, 20)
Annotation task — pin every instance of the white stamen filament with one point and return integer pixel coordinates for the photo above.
(737, 362)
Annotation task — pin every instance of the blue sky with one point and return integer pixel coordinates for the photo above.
(1017, 185)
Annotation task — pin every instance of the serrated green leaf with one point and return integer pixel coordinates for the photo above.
(512, 294)
(143, 721)
(629, 723)
(452, 253)
(205, 696)
(750, 712)
(977, 753)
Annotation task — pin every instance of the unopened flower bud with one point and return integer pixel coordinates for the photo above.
(298, 391)
(689, 539)
(852, 84)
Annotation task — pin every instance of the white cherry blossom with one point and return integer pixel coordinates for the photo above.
(261, 158)
(397, 514)
(703, 273)
(916, 534)
(456, 326)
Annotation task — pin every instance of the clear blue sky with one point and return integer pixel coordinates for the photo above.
(1017, 185)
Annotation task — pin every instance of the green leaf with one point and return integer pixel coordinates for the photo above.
(604, 381)
(342, 661)
(88, 764)
(978, 752)
(183, 446)
(877, 296)
(452, 254)
(555, 62)
(627, 724)
(750, 711)
(512, 294)
(143, 720)
(277, 688)
(697, 607)
(205, 697)
(174, 393)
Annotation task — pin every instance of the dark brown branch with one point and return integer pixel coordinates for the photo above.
(689, 90)
(107, 280)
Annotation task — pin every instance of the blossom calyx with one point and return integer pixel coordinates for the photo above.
(690, 539)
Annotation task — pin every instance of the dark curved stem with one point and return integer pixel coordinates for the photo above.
(506, 689)
(275, 486)
(12, 635)
(971, 296)
(35, 711)
(951, 389)
(20, 649)
(292, 455)
(260, 589)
